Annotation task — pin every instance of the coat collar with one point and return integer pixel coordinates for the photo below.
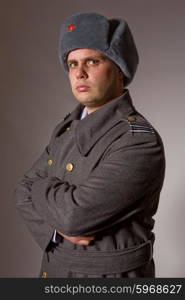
(90, 129)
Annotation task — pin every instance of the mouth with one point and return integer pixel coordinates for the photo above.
(82, 88)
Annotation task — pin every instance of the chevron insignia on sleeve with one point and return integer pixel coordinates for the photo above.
(141, 126)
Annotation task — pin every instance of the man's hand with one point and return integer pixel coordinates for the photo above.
(79, 240)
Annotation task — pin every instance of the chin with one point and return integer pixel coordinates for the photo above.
(84, 99)
(90, 103)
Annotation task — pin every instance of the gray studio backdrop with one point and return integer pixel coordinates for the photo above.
(35, 96)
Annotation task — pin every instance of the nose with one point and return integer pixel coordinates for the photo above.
(81, 72)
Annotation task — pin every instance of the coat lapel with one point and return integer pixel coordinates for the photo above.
(90, 129)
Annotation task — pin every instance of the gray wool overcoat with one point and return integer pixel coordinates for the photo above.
(101, 176)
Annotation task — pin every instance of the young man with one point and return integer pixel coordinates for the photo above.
(90, 198)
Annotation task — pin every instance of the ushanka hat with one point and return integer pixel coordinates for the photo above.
(112, 37)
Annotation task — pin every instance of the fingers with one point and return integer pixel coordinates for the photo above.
(83, 242)
(79, 240)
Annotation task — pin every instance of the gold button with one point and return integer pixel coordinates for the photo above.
(50, 162)
(131, 118)
(68, 128)
(44, 275)
(69, 167)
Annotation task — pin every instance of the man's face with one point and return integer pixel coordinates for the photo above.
(94, 78)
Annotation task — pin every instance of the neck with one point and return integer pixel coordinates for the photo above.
(94, 108)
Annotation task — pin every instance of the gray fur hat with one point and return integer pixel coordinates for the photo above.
(112, 37)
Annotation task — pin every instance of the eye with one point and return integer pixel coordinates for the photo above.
(92, 62)
(72, 64)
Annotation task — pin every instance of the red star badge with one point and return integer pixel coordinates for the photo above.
(70, 27)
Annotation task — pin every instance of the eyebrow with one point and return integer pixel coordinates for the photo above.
(88, 58)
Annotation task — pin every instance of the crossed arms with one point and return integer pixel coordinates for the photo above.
(113, 192)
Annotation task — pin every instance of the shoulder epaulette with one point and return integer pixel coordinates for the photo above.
(140, 126)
